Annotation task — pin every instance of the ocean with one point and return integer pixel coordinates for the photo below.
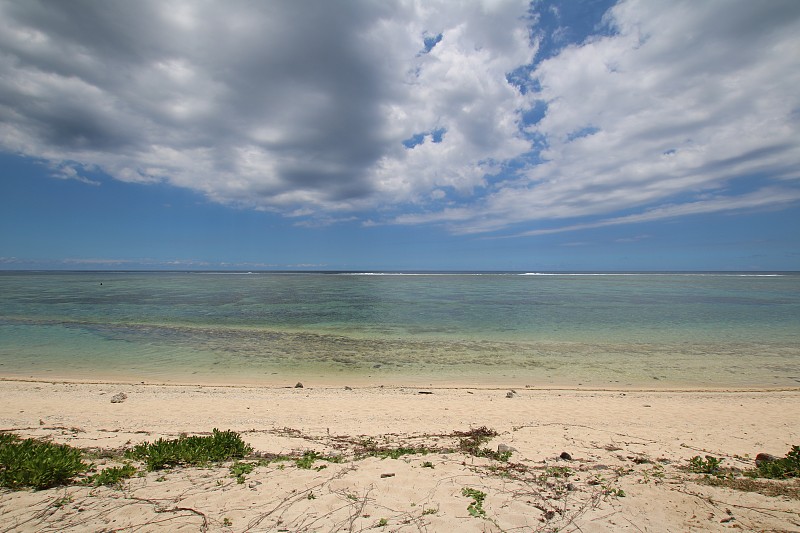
(523, 329)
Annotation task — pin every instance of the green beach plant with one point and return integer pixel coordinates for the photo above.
(37, 464)
(776, 472)
(558, 471)
(194, 450)
(781, 468)
(476, 507)
(112, 476)
(709, 465)
(238, 470)
(306, 461)
(471, 442)
(62, 501)
(369, 448)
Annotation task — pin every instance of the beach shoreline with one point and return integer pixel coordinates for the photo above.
(388, 378)
(393, 384)
(637, 441)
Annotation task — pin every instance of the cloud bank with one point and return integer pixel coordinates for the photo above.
(457, 113)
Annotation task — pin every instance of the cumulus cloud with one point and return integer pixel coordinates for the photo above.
(414, 112)
(684, 109)
(298, 106)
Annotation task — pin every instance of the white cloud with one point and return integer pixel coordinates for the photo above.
(302, 107)
(280, 106)
(763, 199)
(684, 100)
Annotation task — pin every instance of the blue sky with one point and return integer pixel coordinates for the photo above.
(502, 135)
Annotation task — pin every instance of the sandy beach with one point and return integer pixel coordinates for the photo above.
(625, 454)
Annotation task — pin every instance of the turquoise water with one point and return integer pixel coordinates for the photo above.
(654, 330)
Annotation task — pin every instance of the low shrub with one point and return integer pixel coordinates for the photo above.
(113, 475)
(709, 465)
(782, 468)
(37, 464)
(194, 450)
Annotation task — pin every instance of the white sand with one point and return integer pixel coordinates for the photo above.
(634, 441)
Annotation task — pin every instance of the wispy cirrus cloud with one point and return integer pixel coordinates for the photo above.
(763, 199)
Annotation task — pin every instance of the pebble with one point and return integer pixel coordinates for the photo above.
(119, 398)
(565, 456)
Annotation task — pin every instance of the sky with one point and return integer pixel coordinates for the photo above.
(400, 135)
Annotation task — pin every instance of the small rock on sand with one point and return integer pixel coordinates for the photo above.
(119, 397)
(565, 456)
(298, 386)
(505, 448)
(762, 458)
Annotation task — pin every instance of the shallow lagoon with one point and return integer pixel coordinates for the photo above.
(510, 329)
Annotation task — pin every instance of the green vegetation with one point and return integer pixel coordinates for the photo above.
(61, 502)
(608, 488)
(775, 471)
(476, 507)
(37, 464)
(112, 476)
(558, 471)
(471, 443)
(779, 468)
(306, 462)
(194, 450)
(782, 468)
(657, 473)
(709, 465)
(370, 448)
(396, 453)
(238, 470)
